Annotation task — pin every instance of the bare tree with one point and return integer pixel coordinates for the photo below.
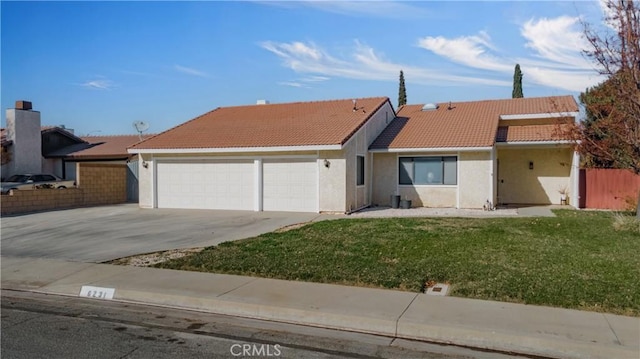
(612, 130)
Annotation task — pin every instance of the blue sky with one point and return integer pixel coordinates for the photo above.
(97, 67)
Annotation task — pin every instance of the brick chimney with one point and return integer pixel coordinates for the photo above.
(23, 129)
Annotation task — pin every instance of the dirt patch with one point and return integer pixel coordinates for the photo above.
(290, 228)
(149, 259)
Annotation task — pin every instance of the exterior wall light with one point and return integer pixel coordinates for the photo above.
(530, 165)
(327, 163)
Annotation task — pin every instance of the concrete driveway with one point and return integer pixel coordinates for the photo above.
(100, 234)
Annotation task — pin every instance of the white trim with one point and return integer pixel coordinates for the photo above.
(154, 183)
(226, 158)
(238, 149)
(258, 175)
(319, 167)
(432, 149)
(534, 143)
(397, 175)
(531, 116)
(492, 177)
(428, 185)
(458, 180)
(575, 192)
(370, 186)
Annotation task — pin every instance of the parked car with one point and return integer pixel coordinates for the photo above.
(33, 181)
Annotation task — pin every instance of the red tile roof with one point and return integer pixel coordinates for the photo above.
(98, 147)
(288, 124)
(464, 124)
(532, 133)
(106, 147)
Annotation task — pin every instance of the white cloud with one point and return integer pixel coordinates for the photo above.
(556, 40)
(190, 71)
(363, 63)
(99, 84)
(555, 58)
(466, 50)
(315, 79)
(293, 84)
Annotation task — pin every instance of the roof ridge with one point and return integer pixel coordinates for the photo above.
(496, 100)
(308, 102)
(133, 134)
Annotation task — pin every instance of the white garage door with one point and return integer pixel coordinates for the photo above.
(206, 185)
(290, 185)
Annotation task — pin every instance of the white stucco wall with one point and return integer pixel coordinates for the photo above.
(332, 183)
(23, 128)
(145, 181)
(520, 185)
(474, 179)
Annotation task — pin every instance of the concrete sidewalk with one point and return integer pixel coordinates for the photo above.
(514, 328)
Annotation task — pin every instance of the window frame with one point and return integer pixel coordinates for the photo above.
(425, 158)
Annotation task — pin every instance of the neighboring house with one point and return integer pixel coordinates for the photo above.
(28, 147)
(343, 155)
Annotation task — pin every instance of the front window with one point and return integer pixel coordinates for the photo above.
(360, 175)
(428, 170)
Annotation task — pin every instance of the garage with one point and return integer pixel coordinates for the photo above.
(206, 184)
(290, 185)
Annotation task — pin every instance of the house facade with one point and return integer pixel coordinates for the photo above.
(344, 155)
(307, 156)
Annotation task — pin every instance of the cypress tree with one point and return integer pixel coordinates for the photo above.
(517, 83)
(402, 91)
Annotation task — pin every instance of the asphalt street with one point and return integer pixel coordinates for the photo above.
(45, 326)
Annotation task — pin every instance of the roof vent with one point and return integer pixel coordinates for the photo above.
(262, 102)
(429, 107)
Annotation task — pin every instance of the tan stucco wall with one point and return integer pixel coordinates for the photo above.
(360, 196)
(384, 178)
(518, 184)
(474, 178)
(385, 183)
(430, 196)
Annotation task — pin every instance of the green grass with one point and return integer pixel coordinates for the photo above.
(576, 260)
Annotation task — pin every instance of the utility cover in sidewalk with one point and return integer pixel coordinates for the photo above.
(440, 289)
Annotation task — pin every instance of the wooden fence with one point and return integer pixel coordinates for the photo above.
(614, 189)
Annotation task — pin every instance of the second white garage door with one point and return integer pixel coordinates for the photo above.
(206, 185)
(290, 185)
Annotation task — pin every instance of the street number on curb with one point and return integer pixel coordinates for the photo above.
(96, 292)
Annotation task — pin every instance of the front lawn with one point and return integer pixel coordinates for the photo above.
(579, 259)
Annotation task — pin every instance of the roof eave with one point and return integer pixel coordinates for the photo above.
(534, 143)
(530, 116)
(431, 149)
(335, 147)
